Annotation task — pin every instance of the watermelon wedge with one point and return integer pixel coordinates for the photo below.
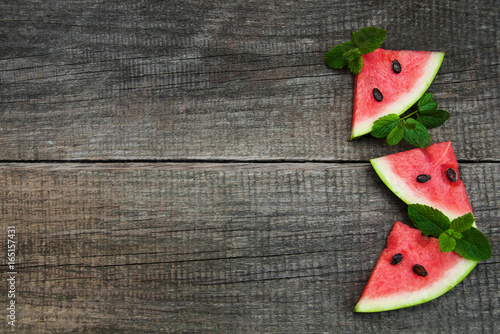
(427, 176)
(411, 270)
(391, 82)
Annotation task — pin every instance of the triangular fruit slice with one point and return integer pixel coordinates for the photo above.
(391, 82)
(411, 271)
(427, 176)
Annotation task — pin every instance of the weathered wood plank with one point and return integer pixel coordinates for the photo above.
(229, 248)
(226, 80)
(223, 247)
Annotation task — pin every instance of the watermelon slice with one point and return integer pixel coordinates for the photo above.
(411, 270)
(427, 176)
(397, 92)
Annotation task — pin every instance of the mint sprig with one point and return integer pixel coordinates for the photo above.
(351, 53)
(412, 130)
(457, 235)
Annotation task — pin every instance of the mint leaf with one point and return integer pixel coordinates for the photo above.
(428, 114)
(453, 233)
(414, 131)
(409, 125)
(446, 242)
(368, 39)
(384, 125)
(335, 57)
(419, 136)
(473, 245)
(350, 53)
(432, 118)
(345, 54)
(426, 102)
(428, 220)
(395, 135)
(356, 65)
(462, 223)
(467, 241)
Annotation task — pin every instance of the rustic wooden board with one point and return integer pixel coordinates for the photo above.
(185, 166)
(226, 80)
(226, 248)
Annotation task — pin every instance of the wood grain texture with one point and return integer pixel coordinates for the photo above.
(185, 166)
(226, 80)
(223, 248)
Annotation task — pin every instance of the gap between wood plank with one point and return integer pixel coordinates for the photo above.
(212, 161)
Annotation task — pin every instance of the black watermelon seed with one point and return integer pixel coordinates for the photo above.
(396, 259)
(451, 174)
(419, 270)
(422, 178)
(396, 66)
(377, 95)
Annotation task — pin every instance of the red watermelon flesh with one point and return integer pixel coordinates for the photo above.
(400, 172)
(394, 286)
(399, 90)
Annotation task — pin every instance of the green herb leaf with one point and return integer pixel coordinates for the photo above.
(419, 136)
(428, 220)
(428, 114)
(462, 223)
(384, 125)
(396, 135)
(351, 53)
(432, 118)
(453, 233)
(409, 125)
(458, 235)
(446, 242)
(356, 65)
(426, 102)
(368, 39)
(335, 57)
(415, 130)
(473, 245)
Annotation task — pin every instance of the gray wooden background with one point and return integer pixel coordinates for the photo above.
(185, 166)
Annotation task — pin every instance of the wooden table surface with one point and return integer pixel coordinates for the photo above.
(185, 166)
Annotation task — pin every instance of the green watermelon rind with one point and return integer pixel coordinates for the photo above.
(455, 275)
(402, 105)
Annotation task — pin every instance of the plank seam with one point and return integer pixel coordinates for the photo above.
(214, 161)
